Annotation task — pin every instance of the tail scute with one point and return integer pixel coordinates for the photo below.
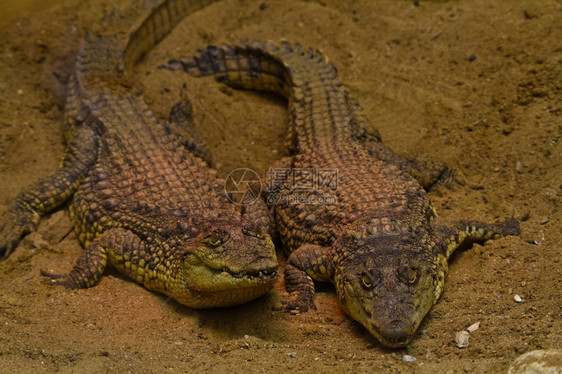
(258, 66)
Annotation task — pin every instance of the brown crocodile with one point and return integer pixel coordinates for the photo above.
(373, 233)
(139, 197)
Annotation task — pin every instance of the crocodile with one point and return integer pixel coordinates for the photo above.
(347, 208)
(140, 195)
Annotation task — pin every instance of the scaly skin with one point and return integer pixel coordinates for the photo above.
(138, 198)
(377, 241)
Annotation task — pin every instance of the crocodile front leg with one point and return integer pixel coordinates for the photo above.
(449, 238)
(308, 263)
(465, 232)
(119, 246)
(45, 195)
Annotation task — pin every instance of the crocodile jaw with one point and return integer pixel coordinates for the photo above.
(241, 271)
(392, 311)
(393, 327)
(221, 289)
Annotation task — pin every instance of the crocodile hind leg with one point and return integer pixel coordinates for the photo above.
(427, 171)
(182, 126)
(423, 168)
(308, 263)
(47, 194)
(118, 246)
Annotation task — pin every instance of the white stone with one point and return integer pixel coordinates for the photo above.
(473, 327)
(408, 358)
(461, 338)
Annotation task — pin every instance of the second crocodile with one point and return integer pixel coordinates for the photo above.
(348, 209)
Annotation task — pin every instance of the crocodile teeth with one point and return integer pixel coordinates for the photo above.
(263, 274)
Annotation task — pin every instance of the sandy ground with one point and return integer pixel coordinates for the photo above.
(477, 84)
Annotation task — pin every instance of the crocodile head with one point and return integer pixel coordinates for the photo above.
(227, 264)
(389, 285)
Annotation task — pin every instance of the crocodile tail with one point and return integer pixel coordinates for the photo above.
(111, 47)
(260, 66)
(317, 101)
(158, 23)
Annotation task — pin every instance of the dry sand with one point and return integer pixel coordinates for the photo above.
(476, 84)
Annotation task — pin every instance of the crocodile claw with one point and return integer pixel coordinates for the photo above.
(14, 225)
(296, 302)
(511, 227)
(61, 280)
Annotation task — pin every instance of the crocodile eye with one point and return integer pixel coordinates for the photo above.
(366, 282)
(369, 280)
(214, 239)
(408, 274)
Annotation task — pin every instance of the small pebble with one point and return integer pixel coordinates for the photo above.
(539, 241)
(471, 58)
(461, 338)
(517, 298)
(473, 327)
(292, 354)
(408, 358)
